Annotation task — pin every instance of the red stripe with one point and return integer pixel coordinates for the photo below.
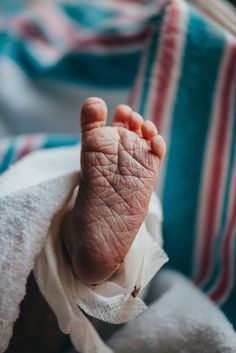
(115, 40)
(61, 27)
(29, 30)
(217, 170)
(76, 41)
(27, 147)
(226, 258)
(166, 62)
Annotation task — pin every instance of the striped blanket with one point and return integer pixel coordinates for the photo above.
(175, 62)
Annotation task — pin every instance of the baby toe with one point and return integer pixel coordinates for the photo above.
(135, 123)
(122, 115)
(158, 146)
(149, 130)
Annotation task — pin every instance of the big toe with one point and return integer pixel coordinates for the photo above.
(93, 114)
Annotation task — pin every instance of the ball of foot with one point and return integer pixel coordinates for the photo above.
(119, 166)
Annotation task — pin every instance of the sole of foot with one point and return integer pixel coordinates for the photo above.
(119, 167)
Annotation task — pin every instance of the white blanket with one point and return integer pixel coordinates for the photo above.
(34, 195)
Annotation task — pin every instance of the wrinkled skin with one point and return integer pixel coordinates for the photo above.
(118, 173)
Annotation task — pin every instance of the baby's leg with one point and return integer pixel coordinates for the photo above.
(119, 166)
(36, 330)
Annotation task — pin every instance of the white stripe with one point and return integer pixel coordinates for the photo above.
(217, 12)
(54, 23)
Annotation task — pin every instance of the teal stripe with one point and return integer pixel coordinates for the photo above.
(105, 70)
(89, 16)
(203, 53)
(60, 141)
(229, 180)
(98, 19)
(153, 45)
(11, 7)
(8, 156)
(7, 43)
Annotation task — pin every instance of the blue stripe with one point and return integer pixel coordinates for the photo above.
(203, 52)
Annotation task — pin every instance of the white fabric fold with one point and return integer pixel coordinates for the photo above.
(34, 195)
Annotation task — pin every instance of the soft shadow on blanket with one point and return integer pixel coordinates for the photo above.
(179, 319)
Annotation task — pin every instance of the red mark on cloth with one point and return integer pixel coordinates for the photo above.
(136, 291)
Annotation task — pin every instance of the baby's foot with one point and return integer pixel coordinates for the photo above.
(119, 165)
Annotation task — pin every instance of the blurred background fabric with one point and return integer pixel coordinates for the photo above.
(55, 54)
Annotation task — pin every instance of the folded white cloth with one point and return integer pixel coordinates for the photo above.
(34, 195)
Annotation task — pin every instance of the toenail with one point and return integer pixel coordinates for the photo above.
(92, 101)
(137, 117)
(124, 108)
